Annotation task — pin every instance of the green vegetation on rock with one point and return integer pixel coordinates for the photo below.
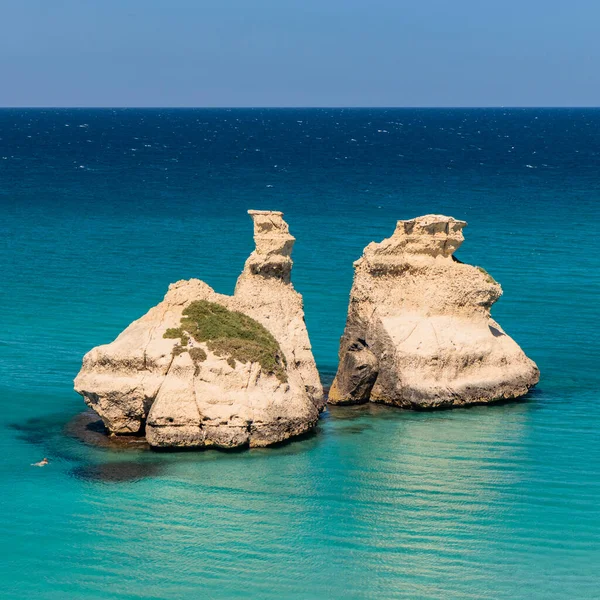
(178, 349)
(197, 354)
(231, 334)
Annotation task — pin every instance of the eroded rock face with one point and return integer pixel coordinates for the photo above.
(419, 332)
(190, 392)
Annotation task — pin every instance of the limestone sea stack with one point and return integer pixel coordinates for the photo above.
(419, 332)
(206, 369)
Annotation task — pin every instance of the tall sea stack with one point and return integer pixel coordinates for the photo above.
(419, 332)
(206, 369)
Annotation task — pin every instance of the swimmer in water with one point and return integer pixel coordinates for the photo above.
(42, 463)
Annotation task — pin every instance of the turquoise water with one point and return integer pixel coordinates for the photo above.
(101, 210)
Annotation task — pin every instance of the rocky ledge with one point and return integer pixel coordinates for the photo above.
(419, 332)
(205, 369)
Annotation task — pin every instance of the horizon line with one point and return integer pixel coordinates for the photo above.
(271, 107)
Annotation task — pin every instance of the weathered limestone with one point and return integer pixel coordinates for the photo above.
(419, 332)
(192, 394)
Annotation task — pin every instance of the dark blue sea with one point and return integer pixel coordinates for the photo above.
(101, 209)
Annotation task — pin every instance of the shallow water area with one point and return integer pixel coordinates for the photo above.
(493, 502)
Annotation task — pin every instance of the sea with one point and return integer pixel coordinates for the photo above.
(100, 210)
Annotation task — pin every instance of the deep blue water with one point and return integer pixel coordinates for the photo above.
(102, 209)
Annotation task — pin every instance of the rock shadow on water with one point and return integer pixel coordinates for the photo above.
(38, 430)
(123, 459)
(86, 427)
(52, 435)
(350, 427)
(356, 419)
(47, 433)
(118, 472)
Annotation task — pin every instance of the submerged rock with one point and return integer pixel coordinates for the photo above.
(88, 428)
(206, 369)
(419, 332)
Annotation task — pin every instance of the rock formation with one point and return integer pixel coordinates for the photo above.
(206, 369)
(419, 332)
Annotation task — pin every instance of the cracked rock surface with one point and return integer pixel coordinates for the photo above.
(144, 381)
(419, 333)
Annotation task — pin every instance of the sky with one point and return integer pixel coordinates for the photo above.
(299, 53)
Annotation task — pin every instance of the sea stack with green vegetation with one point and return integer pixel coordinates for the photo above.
(419, 332)
(205, 369)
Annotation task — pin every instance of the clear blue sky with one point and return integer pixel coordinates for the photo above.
(300, 53)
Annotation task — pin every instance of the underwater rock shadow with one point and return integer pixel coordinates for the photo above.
(37, 430)
(51, 434)
(118, 472)
(88, 428)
